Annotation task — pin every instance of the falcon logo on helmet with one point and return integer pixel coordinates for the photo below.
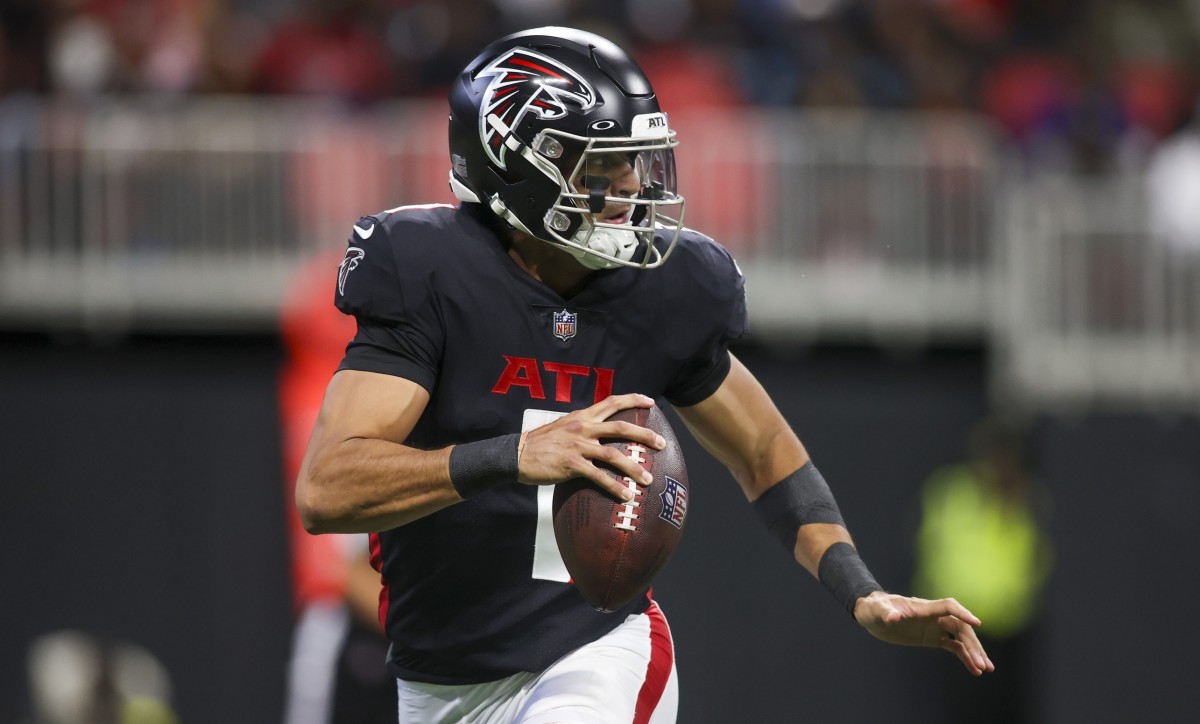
(527, 82)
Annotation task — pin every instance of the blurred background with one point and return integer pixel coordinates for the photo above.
(971, 236)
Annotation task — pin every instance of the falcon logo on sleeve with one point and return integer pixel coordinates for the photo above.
(353, 256)
(527, 82)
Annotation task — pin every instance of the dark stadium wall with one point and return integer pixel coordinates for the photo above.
(1121, 639)
(143, 501)
(757, 639)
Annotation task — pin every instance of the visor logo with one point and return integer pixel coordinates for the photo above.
(526, 82)
(650, 125)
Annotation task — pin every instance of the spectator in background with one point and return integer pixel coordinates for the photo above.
(1173, 189)
(336, 674)
(1173, 210)
(330, 48)
(1151, 47)
(911, 60)
(128, 46)
(982, 535)
(1082, 85)
(24, 34)
(81, 55)
(76, 677)
(431, 40)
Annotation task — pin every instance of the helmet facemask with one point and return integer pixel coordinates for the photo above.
(639, 167)
(639, 173)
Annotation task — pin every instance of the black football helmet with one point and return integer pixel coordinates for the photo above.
(542, 122)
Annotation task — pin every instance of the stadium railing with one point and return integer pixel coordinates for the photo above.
(903, 229)
(1094, 309)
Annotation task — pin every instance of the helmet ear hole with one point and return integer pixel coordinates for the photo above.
(508, 176)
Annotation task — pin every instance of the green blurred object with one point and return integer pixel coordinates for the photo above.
(981, 542)
(146, 710)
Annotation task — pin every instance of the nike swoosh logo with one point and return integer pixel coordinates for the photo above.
(364, 234)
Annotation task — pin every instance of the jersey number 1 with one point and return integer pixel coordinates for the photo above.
(547, 562)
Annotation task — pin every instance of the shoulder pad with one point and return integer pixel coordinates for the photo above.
(368, 282)
(713, 281)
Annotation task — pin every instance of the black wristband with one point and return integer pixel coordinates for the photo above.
(845, 575)
(477, 466)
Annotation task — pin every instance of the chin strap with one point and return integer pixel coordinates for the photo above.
(618, 243)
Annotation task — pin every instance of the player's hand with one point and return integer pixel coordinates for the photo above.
(943, 624)
(570, 447)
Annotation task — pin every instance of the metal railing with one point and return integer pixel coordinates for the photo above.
(194, 213)
(847, 223)
(1094, 308)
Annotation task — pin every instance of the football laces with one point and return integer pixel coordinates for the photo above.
(628, 513)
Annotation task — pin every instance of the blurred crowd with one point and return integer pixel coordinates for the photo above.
(1095, 73)
(1091, 76)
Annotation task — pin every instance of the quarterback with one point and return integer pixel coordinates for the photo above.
(494, 339)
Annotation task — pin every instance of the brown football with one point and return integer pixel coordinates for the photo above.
(614, 549)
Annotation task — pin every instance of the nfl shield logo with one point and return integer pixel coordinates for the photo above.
(674, 502)
(564, 325)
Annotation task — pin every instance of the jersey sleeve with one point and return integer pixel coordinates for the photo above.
(385, 287)
(714, 277)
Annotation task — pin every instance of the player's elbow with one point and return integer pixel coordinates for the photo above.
(314, 505)
(309, 509)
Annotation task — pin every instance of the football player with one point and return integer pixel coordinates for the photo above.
(494, 340)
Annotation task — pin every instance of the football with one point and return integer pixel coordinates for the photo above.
(613, 549)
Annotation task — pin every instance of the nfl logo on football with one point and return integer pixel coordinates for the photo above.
(674, 503)
(564, 325)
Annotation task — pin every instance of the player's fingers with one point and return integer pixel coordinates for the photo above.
(618, 487)
(605, 408)
(952, 640)
(625, 465)
(950, 607)
(959, 650)
(975, 649)
(628, 431)
(966, 644)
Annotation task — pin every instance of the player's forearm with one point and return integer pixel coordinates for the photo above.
(813, 539)
(801, 512)
(363, 486)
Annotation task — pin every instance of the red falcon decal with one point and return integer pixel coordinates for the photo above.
(526, 82)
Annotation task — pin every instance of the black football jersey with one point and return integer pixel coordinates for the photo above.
(476, 591)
